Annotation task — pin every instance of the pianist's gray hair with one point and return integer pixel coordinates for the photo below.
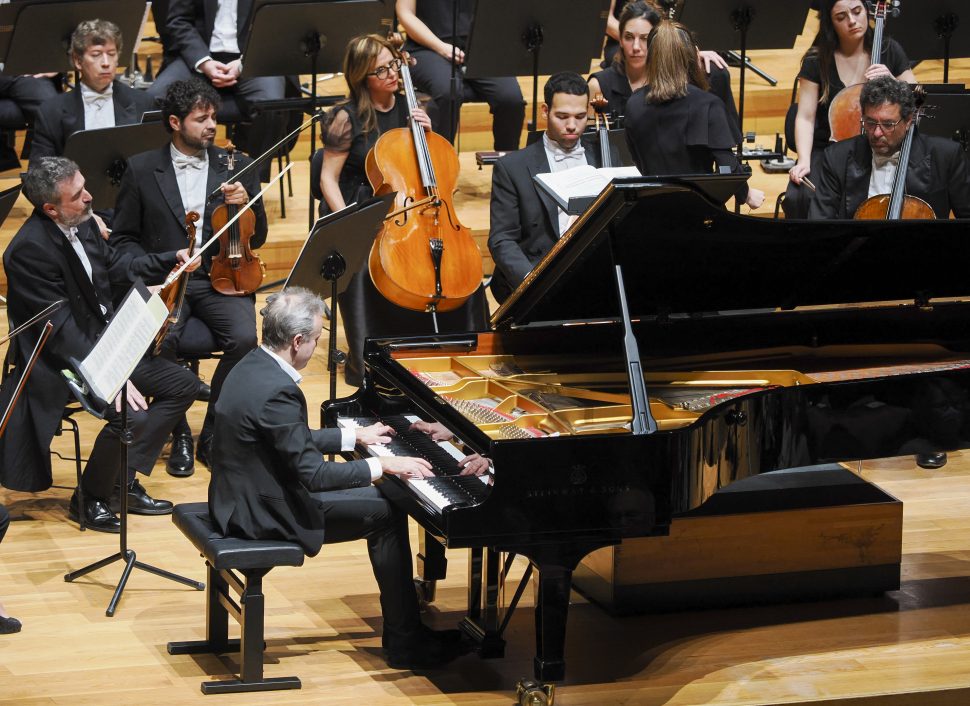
(44, 177)
(289, 313)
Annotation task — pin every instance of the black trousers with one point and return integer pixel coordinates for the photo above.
(432, 75)
(798, 198)
(172, 389)
(4, 521)
(365, 513)
(232, 321)
(27, 92)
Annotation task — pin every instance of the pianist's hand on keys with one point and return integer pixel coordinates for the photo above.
(474, 465)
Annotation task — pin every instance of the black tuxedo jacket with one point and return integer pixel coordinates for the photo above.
(42, 268)
(524, 219)
(63, 115)
(938, 173)
(267, 462)
(190, 24)
(149, 216)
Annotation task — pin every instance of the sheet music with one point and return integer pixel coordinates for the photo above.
(123, 343)
(585, 181)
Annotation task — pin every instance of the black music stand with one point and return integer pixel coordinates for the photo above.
(724, 25)
(948, 115)
(40, 38)
(8, 197)
(102, 155)
(938, 29)
(335, 251)
(95, 405)
(308, 37)
(533, 37)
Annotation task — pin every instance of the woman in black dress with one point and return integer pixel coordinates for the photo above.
(627, 73)
(673, 125)
(840, 56)
(372, 70)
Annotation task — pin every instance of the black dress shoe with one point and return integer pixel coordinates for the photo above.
(931, 461)
(141, 503)
(181, 460)
(9, 626)
(97, 515)
(204, 393)
(203, 450)
(428, 649)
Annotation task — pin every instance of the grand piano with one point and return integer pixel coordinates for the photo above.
(663, 350)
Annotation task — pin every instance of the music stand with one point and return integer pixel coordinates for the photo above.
(937, 30)
(533, 37)
(948, 116)
(724, 25)
(40, 37)
(8, 197)
(308, 37)
(102, 155)
(335, 251)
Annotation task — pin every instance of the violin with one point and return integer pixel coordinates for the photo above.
(845, 112)
(236, 270)
(424, 259)
(599, 104)
(173, 293)
(896, 205)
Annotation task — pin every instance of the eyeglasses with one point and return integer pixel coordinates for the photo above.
(382, 71)
(869, 125)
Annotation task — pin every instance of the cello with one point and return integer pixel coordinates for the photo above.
(844, 110)
(896, 205)
(236, 270)
(423, 259)
(599, 104)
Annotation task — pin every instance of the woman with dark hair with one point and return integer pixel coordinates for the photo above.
(8, 625)
(673, 125)
(627, 73)
(372, 68)
(840, 56)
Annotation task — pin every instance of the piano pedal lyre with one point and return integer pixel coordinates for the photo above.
(529, 692)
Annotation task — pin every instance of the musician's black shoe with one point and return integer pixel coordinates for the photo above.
(9, 626)
(181, 460)
(931, 461)
(140, 502)
(97, 515)
(428, 649)
(203, 450)
(204, 393)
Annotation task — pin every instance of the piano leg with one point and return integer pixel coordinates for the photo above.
(486, 602)
(432, 565)
(552, 607)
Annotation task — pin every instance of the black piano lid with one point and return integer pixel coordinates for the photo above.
(683, 254)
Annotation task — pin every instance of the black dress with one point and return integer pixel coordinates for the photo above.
(364, 310)
(686, 135)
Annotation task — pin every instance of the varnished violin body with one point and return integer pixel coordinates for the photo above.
(236, 270)
(174, 294)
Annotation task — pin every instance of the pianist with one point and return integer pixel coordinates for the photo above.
(269, 479)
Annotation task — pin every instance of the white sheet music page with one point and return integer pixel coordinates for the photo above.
(123, 343)
(585, 181)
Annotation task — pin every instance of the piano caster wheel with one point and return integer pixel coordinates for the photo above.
(529, 692)
(426, 590)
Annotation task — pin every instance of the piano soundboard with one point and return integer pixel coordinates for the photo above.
(448, 489)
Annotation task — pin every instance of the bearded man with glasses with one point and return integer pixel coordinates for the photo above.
(864, 166)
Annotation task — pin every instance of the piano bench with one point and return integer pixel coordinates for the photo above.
(234, 565)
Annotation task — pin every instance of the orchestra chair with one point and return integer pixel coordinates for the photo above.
(789, 136)
(316, 166)
(196, 344)
(234, 586)
(68, 423)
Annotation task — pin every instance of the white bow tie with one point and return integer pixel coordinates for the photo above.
(72, 234)
(185, 161)
(560, 156)
(96, 99)
(883, 161)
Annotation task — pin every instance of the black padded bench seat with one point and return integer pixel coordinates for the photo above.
(224, 556)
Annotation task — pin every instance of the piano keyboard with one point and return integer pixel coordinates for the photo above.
(447, 488)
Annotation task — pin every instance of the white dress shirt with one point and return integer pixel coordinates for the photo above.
(99, 108)
(883, 173)
(78, 246)
(192, 173)
(224, 31)
(348, 439)
(561, 160)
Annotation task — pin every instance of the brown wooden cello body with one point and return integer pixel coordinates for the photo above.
(424, 258)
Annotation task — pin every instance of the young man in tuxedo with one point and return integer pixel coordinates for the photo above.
(158, 189)
(58, 255)
(270, 480)
(525, 221)
(99, 100)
